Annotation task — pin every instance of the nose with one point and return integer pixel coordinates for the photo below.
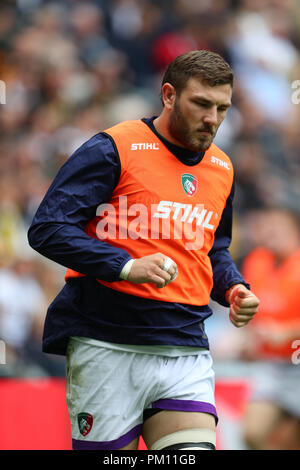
(211, 116)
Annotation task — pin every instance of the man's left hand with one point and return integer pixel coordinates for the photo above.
(243, 305)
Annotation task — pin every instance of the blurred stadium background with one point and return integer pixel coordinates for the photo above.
(74, 67)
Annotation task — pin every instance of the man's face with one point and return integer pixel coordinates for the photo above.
(197, 113)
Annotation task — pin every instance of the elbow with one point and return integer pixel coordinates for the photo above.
(32, 238)
(36, 237)
(39, 236)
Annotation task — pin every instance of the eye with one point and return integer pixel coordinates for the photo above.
(202, 104)
(222, 109)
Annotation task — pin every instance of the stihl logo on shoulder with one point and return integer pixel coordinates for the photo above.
(219, 162)
(145, 146)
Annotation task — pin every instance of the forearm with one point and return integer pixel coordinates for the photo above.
(225, 275)
(71, 247)
(225, 272)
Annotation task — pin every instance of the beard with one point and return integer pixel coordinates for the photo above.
(181, 130)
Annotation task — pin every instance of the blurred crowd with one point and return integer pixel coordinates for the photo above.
(74, 67)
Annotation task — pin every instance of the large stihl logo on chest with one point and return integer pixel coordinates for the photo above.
(186, 213)
(166, 220)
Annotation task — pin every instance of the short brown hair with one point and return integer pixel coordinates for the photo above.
(208, 66)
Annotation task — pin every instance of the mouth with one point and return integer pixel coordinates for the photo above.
(205, 132)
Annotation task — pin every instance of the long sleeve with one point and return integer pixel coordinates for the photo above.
(225, 272)
(86, 180)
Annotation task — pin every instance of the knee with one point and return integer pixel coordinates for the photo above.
(187, 439)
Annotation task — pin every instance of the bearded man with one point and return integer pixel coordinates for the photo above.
(141, 215)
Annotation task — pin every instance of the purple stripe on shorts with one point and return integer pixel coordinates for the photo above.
(108, 445)
(186, 405)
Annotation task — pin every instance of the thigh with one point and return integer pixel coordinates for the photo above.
(186, 383)
(166, 422)
(133, 445)
(105, 405)
(186, 396)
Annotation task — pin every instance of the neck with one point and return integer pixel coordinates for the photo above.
(161, 125)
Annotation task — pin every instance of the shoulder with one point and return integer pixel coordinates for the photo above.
(97, 148)
(125, 126)
(96, 156)
(96, 141)
(221, 167)
(219, 157)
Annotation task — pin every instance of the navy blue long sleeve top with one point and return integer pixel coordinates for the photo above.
(84, 307)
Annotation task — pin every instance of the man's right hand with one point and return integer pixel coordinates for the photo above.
(149, 269)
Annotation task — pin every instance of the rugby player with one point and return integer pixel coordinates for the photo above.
(141, 215)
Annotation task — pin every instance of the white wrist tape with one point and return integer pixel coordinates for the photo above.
(126, 269)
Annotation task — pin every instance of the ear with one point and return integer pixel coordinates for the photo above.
(168, 95)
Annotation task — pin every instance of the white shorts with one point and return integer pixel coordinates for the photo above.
(108, 391)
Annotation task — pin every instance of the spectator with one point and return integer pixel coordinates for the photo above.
(272, 269)
(21, 301)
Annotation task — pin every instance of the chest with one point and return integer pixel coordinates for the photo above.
(159, 179)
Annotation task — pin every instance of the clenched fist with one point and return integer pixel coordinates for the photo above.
(243, 305)
(152, 269)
